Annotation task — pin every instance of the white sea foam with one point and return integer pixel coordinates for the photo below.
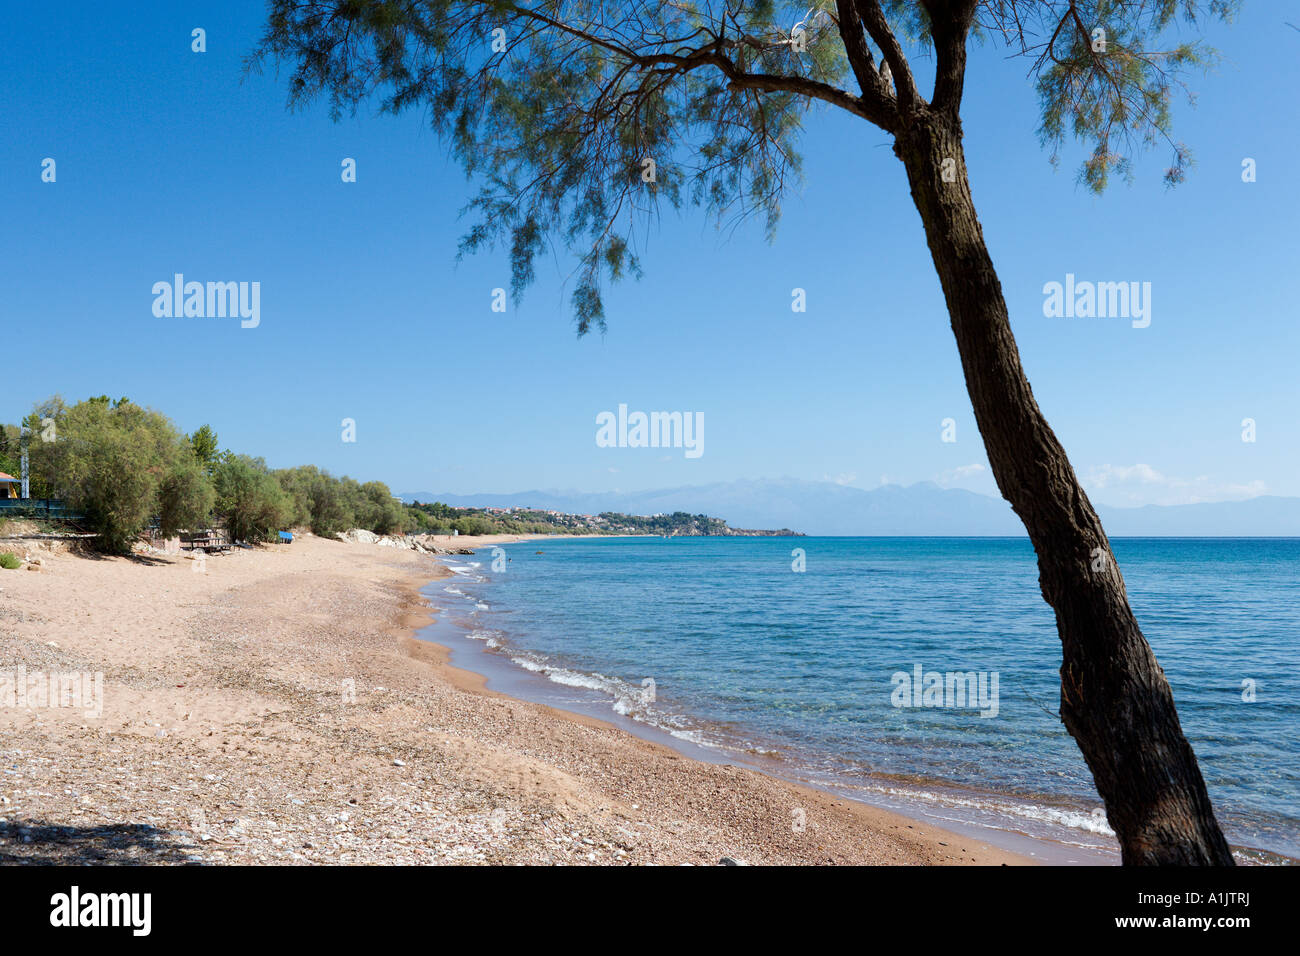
(629, 700)
(1093, 821)
(489, 637)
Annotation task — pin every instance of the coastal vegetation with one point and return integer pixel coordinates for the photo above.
(444, 518)
(10, 444)
(128, 470)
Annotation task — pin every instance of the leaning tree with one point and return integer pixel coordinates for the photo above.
(578, 118)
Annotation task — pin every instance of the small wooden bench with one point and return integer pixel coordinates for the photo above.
(208, 541)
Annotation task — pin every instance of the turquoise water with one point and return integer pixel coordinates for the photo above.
(798, 668)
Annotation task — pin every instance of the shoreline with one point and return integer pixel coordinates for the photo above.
(475, 666)
(225, 736)
(440, 657)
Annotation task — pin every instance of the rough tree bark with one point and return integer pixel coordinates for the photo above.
(1115, 700)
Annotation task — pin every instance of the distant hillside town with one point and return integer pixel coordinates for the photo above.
(523, 520)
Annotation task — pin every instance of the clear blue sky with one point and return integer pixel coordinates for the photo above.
(168, 163)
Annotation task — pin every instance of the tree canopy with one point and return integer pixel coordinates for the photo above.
(128, 469)
(578, 117)
(120, 465)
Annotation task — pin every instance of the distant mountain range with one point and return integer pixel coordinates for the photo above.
(825, 508)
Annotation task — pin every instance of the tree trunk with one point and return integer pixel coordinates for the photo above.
(1115, 700)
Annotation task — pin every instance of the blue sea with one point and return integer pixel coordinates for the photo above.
(726, 646)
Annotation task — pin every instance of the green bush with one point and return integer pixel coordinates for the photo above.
(119, 465)
(9, 561)
(473, 525)
(327, 504)
(251, 501)
(185, 497)
(124, 467)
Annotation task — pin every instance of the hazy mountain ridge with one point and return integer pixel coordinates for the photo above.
(825, 508)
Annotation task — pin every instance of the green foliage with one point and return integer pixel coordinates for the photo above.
(558, 123)
(474, 525)
(185, 496)
(1106, 71)
(555, 121)
(10, 450)
(249, 499)
(330, 510)
(9, 561)
(297, 485)
(420, 522)
(435, 509)
(116, 462)
(123, 466)
(328, 505)
(380, 511)
(317, 499)
(477, 521)
(1117, 99)
(204, 445)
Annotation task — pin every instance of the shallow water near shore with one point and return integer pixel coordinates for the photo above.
(719, 647)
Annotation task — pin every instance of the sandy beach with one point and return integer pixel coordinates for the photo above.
(276, 708)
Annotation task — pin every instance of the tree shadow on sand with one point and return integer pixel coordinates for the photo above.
(40, 843)
(90, 554)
